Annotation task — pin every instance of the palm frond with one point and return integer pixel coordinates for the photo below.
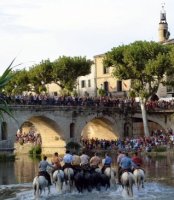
(4, 79)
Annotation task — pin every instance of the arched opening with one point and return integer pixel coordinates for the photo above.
(127, 130)
(72, 126)
(100, 128)
(4, 135)
(50, 135)
(138, 128)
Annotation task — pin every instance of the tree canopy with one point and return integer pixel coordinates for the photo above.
(66, 70)
(146, 64)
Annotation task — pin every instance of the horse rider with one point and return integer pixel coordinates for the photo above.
(84, 160)
(137, 161)
(126, 164)
(56, 161)
(43, 169)
(76, 162)
(67, 159)
(121, 154)
(95, 161)
(107, 162)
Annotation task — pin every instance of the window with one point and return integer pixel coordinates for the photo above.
(106, 86)
(119, 86)
(105, 70)
(72, 126)
(4, 131)
(55, 93)
(82, 84)
(89, 83)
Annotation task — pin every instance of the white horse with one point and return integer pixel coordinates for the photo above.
(58, 179)
(69, 175)
(127, 181)
(139, 178)
(111, 173)
(39, 185)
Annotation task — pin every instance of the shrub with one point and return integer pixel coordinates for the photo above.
(36, 150)
(21, 141)
(73, 146)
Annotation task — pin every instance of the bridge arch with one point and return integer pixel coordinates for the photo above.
(101, 128)
(154, 123)
(51, 134)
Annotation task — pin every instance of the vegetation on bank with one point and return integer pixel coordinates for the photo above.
(7, 157)
(73, 146)
(35, 151)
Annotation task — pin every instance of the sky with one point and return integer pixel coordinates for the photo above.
(36, 30)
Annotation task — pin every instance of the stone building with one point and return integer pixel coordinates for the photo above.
(164, 35)
(101, 77)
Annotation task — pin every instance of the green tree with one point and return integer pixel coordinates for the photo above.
(66, 70)
(147, 64)
(18, 83)
(40, 75)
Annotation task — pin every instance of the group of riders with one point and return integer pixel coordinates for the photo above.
(85, 162)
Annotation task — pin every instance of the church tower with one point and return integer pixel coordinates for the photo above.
(163, 27)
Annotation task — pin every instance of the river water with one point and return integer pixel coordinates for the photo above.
(16, 182)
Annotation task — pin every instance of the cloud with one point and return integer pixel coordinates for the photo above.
(49, 28)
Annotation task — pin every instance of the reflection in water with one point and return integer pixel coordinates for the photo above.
(160, 168)
(7, 175)
(25, 169)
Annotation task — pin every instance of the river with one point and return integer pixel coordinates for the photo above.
(16, 181)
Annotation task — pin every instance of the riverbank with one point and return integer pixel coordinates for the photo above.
(160, 151)
(7, 156)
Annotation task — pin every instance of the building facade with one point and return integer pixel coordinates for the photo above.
(101, 77)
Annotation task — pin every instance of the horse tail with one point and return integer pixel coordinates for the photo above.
(37, 187)
(139, 178)
(69, 174)
(127, 180)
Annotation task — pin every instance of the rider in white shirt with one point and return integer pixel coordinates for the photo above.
(67, 159)
(84, 160)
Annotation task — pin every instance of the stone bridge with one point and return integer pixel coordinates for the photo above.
(59, 125)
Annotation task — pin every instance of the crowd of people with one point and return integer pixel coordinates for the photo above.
(107, 101)
(32, 136)
(140, 143)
